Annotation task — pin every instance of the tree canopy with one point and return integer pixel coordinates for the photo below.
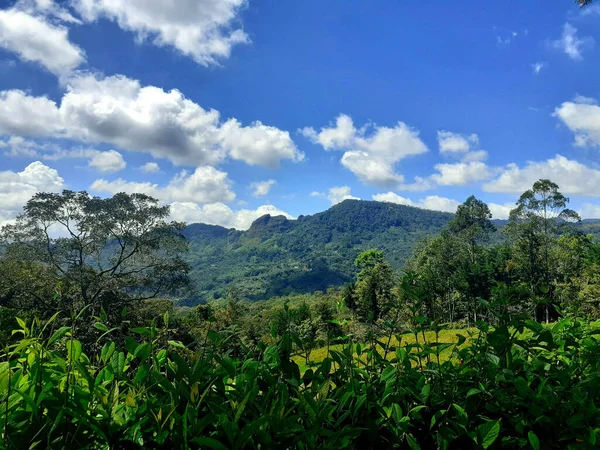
(95, 252)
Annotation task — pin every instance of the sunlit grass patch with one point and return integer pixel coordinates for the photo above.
(406, 339)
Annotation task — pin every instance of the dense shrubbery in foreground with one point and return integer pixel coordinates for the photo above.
(516, 385)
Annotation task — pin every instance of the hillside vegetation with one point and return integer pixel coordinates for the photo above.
(278, 257)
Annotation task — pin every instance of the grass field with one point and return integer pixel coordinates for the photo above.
(444, 337)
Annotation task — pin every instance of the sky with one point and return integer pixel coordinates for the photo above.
(231, 109)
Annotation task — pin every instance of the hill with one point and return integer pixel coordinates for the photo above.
(277, 256)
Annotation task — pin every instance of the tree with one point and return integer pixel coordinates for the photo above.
(100, 253)
(374, 286)
(472, 226)
(534, 223)
(472, 222)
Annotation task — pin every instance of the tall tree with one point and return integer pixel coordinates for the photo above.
(101, 252)
(374, 285)
(473, 223)
(535, 221)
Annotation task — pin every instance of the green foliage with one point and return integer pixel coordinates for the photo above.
(515, 385)
(106, 252)
(279, 257)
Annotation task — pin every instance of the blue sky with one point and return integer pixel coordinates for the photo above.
(229, 109)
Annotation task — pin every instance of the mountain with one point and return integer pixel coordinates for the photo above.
(278, 256)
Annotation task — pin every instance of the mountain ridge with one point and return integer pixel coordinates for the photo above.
(280, 256)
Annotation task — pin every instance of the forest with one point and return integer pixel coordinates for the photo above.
(486, 336)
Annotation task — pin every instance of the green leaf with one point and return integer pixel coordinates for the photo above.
(488, 433)
(210, 443)
(533, 440)
(141, 373)
(21, 323)
(473, 391)
(412, 442)
(142, 351)
(107, 351)
(176, 344)
(425, 393)
(492, 358)
(74, 350)
(142, 331)
(100, 326)
(58, 334)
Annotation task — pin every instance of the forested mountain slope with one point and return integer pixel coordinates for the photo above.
(277, 256)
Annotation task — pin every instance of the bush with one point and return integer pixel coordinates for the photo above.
(515, 385)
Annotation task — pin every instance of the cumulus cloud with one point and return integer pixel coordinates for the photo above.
(119, 111)
(201, 29)
(150, 167)
(261, 188)
(337, 194)
(501, 211)
(16, 188)
(460, 174)
(582, 117)
(205, 185)
(432, 202)
(444, 204)
(19, 146)
(221, 214)
(571, 44)
(450, 142)
(36, 40)
(110, 161)
(572, 177)
(24, 115)
(469, 169)
(370, 152)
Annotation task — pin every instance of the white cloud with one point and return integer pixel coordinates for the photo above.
(501, 211)
(437, 203)
(585, 100)
(392, 197)
(432, 202)
(36, 40)
(19, 146)
(572, 45)
(201, 29)
(261, 188)
(150, 167)
(220, 214)
(119, 111)
(538, 66)
(23, 115)
(339, 194)
(317, 194)
(571, 176)
(109, 161)
(258, 144)
(205, 185)
(334, 138)
(460, 174)
(371, 156)
(16, 188)
(450, 142)
(589, 211)
(582, 117)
